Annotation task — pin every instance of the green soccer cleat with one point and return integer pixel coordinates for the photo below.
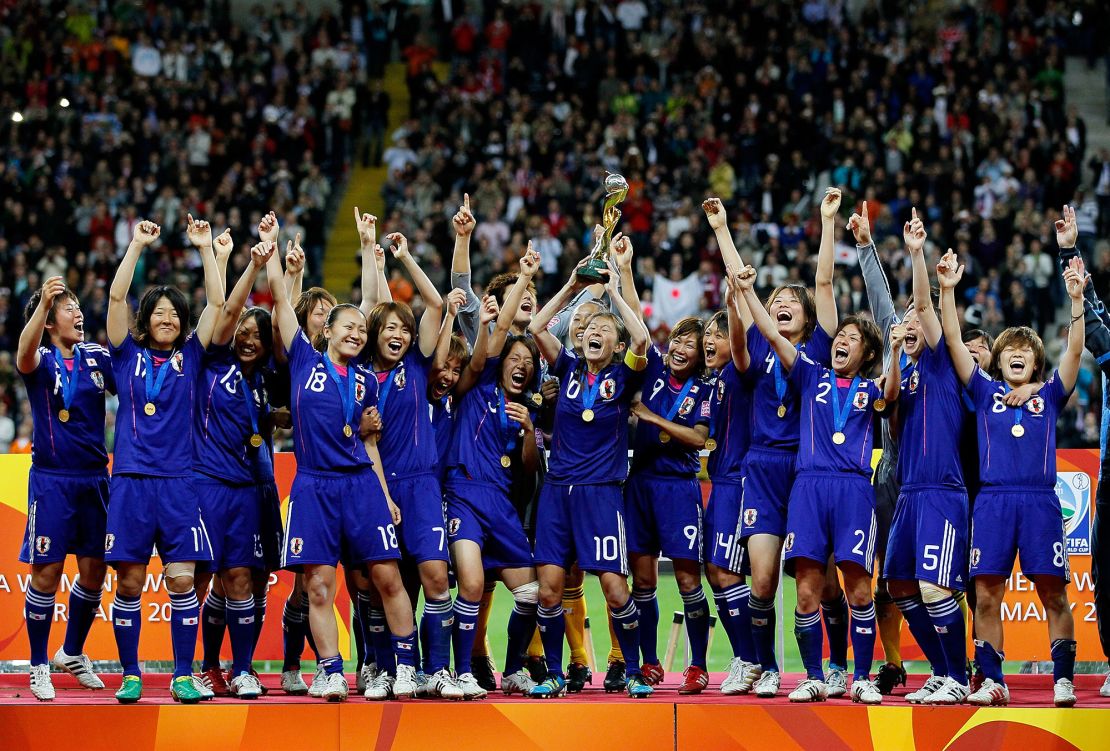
(638, 688)
(552, 687)
(183, 690)
(131, 690)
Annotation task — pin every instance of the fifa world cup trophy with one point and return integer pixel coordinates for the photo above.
(597, 267)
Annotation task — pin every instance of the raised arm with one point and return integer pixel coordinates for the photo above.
(913, 232)
(529, 265)
(949, 274)
(367, 225)
(200, 235)
(463, 223)
(285, 320)
(433, 303)
(294, 267)
(1075, 277)
(875, 282)
(718, 222)
(893, 386)
(785, 351)
(737, 333)
(639, 338)
(487, 314)
(620, 249)
(823, 281)
(228, 317)
(119, 313)
(549, 345)
(27, 353)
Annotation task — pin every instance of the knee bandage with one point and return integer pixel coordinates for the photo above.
(175, 570)
(931, 593)
(527, 593)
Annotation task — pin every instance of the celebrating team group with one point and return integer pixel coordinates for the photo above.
(491, 440)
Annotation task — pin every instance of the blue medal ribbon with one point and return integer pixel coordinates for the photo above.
(589, 393)
(677, 403)
(840, 416)
(68, 380)
(780, 382)
(1017, 410)
(509, 427)
(154, 385)
(346, 395)
(385, 388)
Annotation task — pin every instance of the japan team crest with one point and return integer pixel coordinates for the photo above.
(789, 544)
(861, 399)
(687, 405)
(399, 379)
(177, 361)
(42, 545)
(720, 390)
(97, 379)
(975, 557)
(750, 515)
(360, 390)
(608, 388)
(109, 542)
(296, 545)
(914, 378)
(453, 526)
(1035, 405)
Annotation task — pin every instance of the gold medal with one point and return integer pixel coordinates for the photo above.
(537, 399)
(781, 411)
(506, 461)
(1017, 431)
(256, 440)
(587, 415)
(347, 431)
(664, 437)
(63, 415)
(880, 405)
(838, 438)
(150, 409)
(710, 444)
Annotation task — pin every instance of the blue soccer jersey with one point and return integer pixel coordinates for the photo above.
(775, 409)
(730, 425)
(77, 442)
(408, 442)
(226, 422)
(443, 413)
(325, 403)
(592, 451)
(157, 398)
(686, 403)
(836, 419)
(1017, 445)
(484, 433)
(931, 410)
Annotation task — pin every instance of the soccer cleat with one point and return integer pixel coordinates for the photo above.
(245, 686)
(809, 690)
(952, 692)
(261, 685)
(213, 679)
(80, 667)
(316, 689)
(205, 692)
(1063, 693)
(694, 681)
(615, 679)
(577, 677)
(517, 683)
(41, 685)
(730, 685)
(335, 687)
(131, 690)
(184, 689)
(933, 684)
(652, 673)
(468, 684)
(864, 691)
(537, 668)
(423, 686)
(293, 684)
(365, 674)
(551, 687)
(975, 679)
(889, 676)
(990, 694)
(404, 685)
(1104, 692)
(442, 686)
(751, 673)
(380, 687)
(639, 688)
(482, 668)
(836, 683)
(768, 684)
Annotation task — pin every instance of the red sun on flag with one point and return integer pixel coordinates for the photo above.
(675, 293)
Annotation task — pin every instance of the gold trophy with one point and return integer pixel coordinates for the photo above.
(596, 270)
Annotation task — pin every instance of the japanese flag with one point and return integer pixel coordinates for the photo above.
(674, 300)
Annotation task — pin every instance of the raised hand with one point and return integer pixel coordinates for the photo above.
(529, 262)
(830, 204)
(949, 272)
(199, 232)
(897, 336)
(489, 310)
(51, 288)
(261, 253)
(1075, 278)
(549, 389)
(613, 283)
(745, 279)
(859, 226)
(146, 233)
(715, 213)
(268, 227)
(574, 282)
(1066, 229)
(400, 246)
(464, 221)
(294, 256)
(379, 258)
(367, 225)
(518, 413)
(620, 248)
(223, 245)
(913, 233)
(456, 298)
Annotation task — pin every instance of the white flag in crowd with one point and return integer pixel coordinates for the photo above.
(673, 300)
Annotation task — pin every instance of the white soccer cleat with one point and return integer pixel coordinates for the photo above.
(441, 685)
(245, 686)
(80, 667)
(41, 685)
(319, 678)
(1104, 692)
(517, 683)
(293, 683)
(335, 687)
(365, 675)
(933, 684)
(951, 693)
(404, 685)
(1063, 693)
(768, 685)
(809, 690)
(864, 691)
(751, 673)
(730, 686)
(423, 686)
(990, 694)
(836, 683)
(380, 687)
(203, 688)
(468, 684)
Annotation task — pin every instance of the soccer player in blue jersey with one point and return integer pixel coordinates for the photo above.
(401, 358)
(66, 379)
(1017, 511)
(234, 478)
(157, 367)
(832, 504)
(580, 515)
(340, 505)
(662, 496)
(726, 355)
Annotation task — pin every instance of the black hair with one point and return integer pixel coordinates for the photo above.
(321, 342)
(533, 350)
(33, 303)
(147, 305)
(263, 320)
